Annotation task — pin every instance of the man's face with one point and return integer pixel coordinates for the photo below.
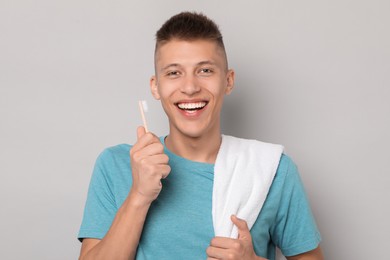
(191, 81)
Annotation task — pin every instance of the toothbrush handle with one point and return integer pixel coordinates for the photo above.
(141, 108)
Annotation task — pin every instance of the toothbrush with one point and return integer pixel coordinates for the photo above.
(143, 107)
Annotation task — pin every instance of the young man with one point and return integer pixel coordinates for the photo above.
(156, 203)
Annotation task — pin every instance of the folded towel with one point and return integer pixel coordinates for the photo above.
(243, 173)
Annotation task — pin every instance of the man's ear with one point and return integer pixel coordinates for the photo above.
(230, 82)
(154, 87)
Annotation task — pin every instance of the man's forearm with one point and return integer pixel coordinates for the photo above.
(121, 241)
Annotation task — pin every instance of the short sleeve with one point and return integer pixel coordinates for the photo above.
(100, 207)
(295, 230)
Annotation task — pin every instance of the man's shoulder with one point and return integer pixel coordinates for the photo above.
(115, 153)
(117, 149)
(286, 161)
(113, 165)
(287, 169)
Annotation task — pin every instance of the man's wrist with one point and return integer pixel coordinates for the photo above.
(137, 200)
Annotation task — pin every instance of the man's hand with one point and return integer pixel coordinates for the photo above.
(149, 165)
(229, 248)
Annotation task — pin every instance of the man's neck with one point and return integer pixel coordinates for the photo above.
(200, 149)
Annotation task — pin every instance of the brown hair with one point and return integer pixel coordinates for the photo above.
(189, 26)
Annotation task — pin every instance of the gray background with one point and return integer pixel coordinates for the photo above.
(312, 75)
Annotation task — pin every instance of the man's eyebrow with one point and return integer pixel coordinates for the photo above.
(170, 65)
(201, 63)
(206, 62)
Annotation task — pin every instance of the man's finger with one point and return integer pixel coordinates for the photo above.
(144, 139)
(140, 131)
(222, 242)
(164, 170)
(152, 149)
(242, 226)
(215, 252)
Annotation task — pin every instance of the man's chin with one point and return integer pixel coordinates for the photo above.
(187, 132)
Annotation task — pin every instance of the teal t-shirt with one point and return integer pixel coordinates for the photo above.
(179, 222)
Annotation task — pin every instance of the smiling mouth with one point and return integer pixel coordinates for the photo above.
(191, 106)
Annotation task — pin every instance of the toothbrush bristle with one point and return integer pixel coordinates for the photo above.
(144, 105)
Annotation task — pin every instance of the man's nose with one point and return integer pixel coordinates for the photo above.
(190, 85)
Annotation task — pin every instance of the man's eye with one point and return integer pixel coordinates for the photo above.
(172, 73)
(206, 71)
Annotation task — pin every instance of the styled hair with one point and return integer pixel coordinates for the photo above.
(189, 26)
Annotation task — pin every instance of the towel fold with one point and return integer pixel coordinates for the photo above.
(243, 173)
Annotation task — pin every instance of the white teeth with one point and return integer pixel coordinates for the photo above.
(196, 105)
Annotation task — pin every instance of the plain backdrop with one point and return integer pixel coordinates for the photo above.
(311, 75)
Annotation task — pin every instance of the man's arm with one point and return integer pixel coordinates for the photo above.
(122, 239)
(315, 254)
(149, 165)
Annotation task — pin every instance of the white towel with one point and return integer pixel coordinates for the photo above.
(243, 173)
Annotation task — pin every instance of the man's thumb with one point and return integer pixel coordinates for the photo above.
(242, 226)
(140, 132)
